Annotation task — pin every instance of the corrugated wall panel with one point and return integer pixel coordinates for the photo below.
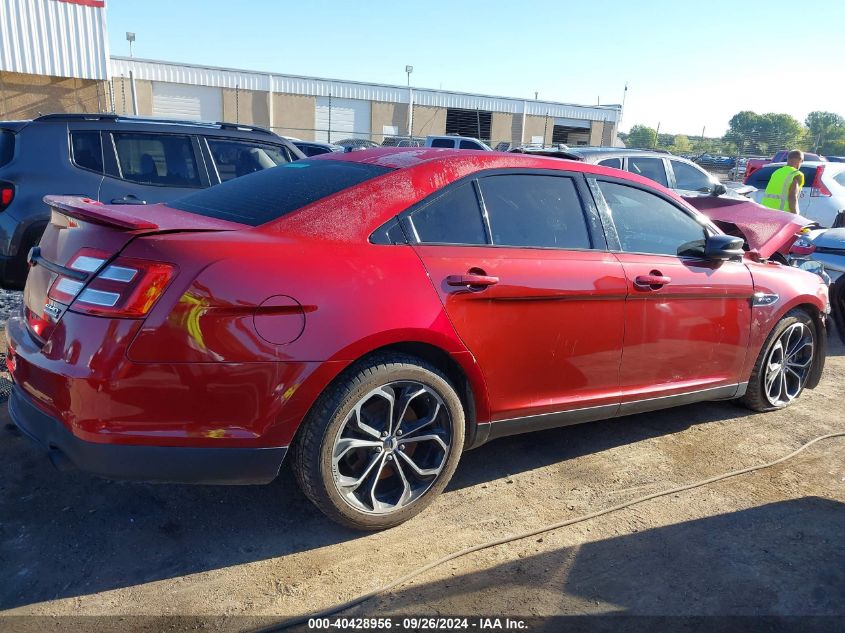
(337, 89)
(60, 39)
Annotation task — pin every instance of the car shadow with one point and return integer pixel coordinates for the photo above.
(65, 534)
(780, 559)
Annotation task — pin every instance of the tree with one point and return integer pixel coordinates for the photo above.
(781, 131)
(642, 137)
(824, 128)
(754, 133)
(681, 145)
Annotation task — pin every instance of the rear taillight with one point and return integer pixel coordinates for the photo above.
(7, 194)
(819, 190)
(86, 261)
(126, 287)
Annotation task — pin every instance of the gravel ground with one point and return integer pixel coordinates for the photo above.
(768, 543)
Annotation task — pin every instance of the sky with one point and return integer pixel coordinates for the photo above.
(689, 65)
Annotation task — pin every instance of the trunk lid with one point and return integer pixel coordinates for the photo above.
(82, 237)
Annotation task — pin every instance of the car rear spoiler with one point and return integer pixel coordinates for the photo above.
(154, 218)
(97, 212)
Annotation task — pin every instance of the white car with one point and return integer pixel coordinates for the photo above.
(823, 195)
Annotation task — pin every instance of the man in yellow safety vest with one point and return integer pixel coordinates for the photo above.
(785, 185)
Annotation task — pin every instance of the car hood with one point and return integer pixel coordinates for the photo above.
(765, 230)
(833, 239)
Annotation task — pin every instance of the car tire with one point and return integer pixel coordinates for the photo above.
(368, 464)
(784, 363)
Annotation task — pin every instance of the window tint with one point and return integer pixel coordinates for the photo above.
(535, 211)
(648, 224)
(453, 218)
(87, 150)
(271, 193)
(238, 158)
(690, 178)
(312, 150)
(469, 145)
(442, 142)
(616, 163)
(651, 168)
(7, 146)
(157, 159)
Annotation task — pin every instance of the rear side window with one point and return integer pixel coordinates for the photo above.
(651, 168)
(234, 159)
(7, 146)
(157, 159)
(453, 218)
(839, 178)
(87, 150)
(272, 193)
(534, 211)
(442, 142)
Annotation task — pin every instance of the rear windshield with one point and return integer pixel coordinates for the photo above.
(7, 146)
(269, 194)
(760, 178)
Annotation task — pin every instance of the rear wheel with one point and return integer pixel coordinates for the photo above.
(784, 364)
(381, 443)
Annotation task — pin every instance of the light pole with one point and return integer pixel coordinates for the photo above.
(130, 37)
(408, 70)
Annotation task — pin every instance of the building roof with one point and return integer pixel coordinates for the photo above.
(157, 70)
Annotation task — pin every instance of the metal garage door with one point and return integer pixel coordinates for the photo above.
(183, 101)
(348, 118)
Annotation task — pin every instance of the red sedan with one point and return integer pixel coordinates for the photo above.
(377, 313)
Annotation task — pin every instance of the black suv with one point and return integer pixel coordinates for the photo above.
(116, 160)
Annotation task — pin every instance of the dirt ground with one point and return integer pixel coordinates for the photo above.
(769, 543)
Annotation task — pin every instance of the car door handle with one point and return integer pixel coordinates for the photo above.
(471, 280)
(653, 280)
(128, 199)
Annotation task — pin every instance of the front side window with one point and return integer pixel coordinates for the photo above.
(647, 223)
(87, 150)
(157, 159)
(535, 211)
(239, 158)
(651, 168)
(453, 218)
(469, 145)
(689, 178)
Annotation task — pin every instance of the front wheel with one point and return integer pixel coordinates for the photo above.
(784, 364)
(381, 443)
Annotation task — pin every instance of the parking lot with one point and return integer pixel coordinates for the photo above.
(768, 543)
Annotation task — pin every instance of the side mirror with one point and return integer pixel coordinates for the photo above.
(723, 247)
(719, 189)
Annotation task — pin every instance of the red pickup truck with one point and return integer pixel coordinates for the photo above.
(754, 164)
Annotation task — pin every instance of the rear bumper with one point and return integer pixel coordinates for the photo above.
(143, 463)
